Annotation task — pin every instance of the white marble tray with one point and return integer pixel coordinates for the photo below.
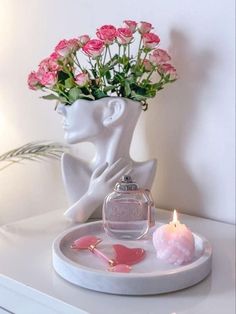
(151, 276)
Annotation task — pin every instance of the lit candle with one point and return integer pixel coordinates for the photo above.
(175, 220)
(174, 242)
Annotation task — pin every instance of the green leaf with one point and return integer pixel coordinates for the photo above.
(131, 79)
(109, 88)
(127, 89)
(119, 78)
(99, 94)
(167, 78)
(94, 72)
(113, 61)
(124, 60)
(60, 62)
(62, 76)
(139, 90)
(108, 75)
(74, 94)
(63, 100)
(69, 83)
(137, 97)
(51, 97)
(89, 97)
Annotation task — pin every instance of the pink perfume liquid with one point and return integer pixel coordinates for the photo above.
(126, 218)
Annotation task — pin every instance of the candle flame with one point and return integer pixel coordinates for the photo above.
(175, 217)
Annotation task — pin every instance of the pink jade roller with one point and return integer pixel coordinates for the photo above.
(124, 256)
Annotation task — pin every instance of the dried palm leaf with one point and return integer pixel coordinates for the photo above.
(33, 151)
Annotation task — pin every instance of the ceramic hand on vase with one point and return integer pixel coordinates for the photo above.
(102, 182)
(108, 123)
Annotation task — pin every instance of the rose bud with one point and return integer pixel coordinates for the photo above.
(147, 65)
(64, 47)
(166, 69)
(159, 56)
(33, 81)
(107, 33)
(150, 40)
(124, 36)
(82, 79)
(144, 27)
(94, 48)
(130, 24)
(83, 39)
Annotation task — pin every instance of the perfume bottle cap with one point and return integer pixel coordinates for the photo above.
(126, 184)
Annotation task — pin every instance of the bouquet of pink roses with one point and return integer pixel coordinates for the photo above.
(112, 69)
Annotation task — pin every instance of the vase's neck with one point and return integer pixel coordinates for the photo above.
(113, 145)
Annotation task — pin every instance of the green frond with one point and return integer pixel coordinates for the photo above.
(33, 151)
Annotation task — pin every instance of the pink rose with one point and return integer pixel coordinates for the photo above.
(62, 47)
(150, 40)
(33, 81)
(65, 47)
(83, 40)
(107, 33)
(124, 36)
(82, 79)
(73, 44)
(94, 48)
(53, 62)
(167, 68)
(49, 79)
(159, 56)
(144, 27)
(43, 65)
(147, 65)
(50, 64)
(55, 56)
(130, 24)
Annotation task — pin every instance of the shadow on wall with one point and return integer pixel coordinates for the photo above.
(169, 126)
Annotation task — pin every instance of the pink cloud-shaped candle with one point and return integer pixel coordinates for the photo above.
(174, 242)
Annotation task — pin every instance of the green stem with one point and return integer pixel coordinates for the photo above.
(105, 55)
(60, 91)
(129, 51)
(149, 75)
(139, 50)
(68, 72)
(109, 50)
(101, 83)
(119, 57)
(92, 66)
(144, 58)
(124, 50)
(141, 67)
(78, 63)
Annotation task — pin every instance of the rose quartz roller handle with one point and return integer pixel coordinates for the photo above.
(98, 253)
(90, 243)
(114, 267)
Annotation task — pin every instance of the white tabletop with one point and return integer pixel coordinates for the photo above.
(27, 274)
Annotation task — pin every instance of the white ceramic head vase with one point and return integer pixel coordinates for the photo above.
(109, 124)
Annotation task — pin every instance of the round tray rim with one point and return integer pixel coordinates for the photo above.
(59, 258)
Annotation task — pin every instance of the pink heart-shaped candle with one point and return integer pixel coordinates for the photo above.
(128, 256)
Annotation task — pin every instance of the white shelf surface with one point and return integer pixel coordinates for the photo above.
(29, 284)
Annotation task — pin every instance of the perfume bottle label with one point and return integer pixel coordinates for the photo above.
(118, 210)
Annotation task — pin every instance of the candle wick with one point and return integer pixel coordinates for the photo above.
(175, 225)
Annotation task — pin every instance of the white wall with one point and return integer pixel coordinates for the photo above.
(189, 126)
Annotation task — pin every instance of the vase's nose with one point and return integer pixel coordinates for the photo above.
(61, 109)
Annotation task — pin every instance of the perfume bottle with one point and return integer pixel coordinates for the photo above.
(127, 210)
